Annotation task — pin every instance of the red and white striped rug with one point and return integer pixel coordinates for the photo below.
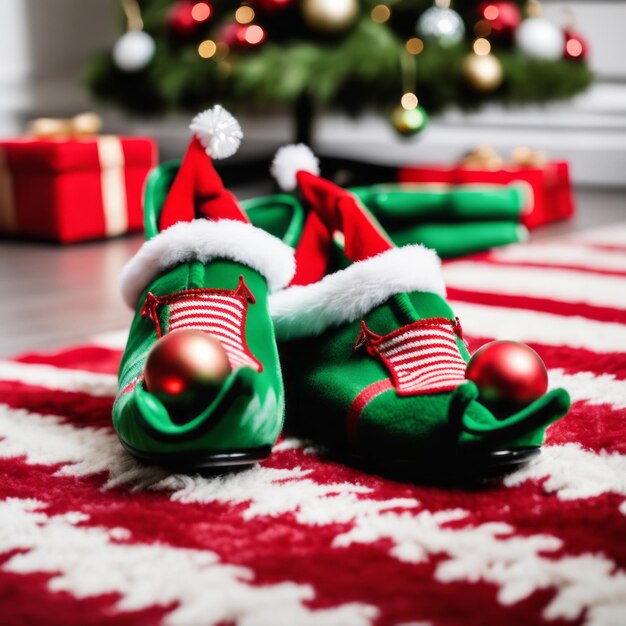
(88, 536)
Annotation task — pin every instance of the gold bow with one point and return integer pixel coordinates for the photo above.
(487, 158)
(482, 158)
(527, 157)
(83, 125)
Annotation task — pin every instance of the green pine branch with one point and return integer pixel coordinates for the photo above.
(352, 72)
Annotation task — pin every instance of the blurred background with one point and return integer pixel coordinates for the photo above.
(49, 48)
(420, 91)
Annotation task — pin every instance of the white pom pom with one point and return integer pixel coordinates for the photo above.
(290, 160)
(218, 131)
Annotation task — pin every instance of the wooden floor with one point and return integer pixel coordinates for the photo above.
(54, 296)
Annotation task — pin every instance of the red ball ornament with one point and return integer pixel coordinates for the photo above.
(179, 20)
(576, 46)
(185, 17)
(242, 36)
(186, 366)
(233, 35)
(503, 17)
(508, 372)
(272, 6)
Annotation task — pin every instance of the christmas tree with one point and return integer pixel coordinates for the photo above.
(403, 58)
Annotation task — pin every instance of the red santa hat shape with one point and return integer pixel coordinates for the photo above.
(201, 220)
(333, 210)
(198, 190)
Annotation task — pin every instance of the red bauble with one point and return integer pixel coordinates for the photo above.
(508, 372)
(185, 366)
(234, 35)
(503, 17)
(242, 36)
(180, 21)
(186, 16)
(272, 6)
(576, 46)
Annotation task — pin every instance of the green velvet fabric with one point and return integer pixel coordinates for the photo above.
(456, 240)
(423, 203)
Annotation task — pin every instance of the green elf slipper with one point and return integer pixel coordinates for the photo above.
(452, 240)
(454, 220)
(204, 268)
(435, 203)
(374, 356)
(283, 216)
(452, 228)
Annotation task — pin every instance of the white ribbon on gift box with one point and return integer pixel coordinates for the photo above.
(114, 200)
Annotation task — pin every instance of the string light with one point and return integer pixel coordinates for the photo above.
(491, 12)
(380, 13)
(481, 47)
(414, 46)
(574, 48)
(207, 48)
(254, 35)
(408, 101)
(244, 14)
(201, 11)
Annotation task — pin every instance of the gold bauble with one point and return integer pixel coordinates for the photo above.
(330, 16)
(482, 72)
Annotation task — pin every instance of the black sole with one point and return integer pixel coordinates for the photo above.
(468, 468)
(197, 461)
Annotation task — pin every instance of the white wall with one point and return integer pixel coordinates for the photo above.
(43, 46)
(44, 43)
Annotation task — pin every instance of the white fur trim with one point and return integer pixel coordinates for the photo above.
(289, 160)
(218, 131)
(203, 240)
(348, 294)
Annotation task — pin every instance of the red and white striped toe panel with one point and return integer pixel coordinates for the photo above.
(218, 312)
(422, 357)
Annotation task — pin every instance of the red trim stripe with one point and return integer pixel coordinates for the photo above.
(220, 313)
(434, 365)
(360, 402)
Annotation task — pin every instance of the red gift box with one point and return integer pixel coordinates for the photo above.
(73, 189)
(551, 200)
